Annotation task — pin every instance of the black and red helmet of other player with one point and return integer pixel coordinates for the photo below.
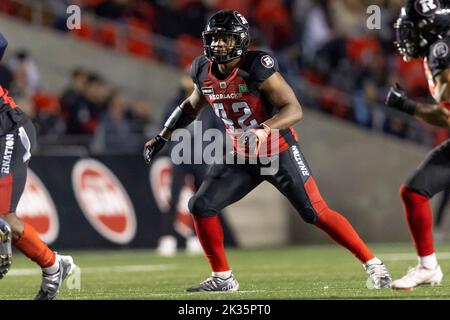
(420, 24)
(233, 29)
(3, 45)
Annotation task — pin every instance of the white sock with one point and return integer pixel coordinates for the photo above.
(429, 262)
(373, 261)
(222, 274)
(53, 268)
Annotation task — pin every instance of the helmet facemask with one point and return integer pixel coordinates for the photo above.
(226, 37)
(408, 42)
(416, 30)
(222, 46)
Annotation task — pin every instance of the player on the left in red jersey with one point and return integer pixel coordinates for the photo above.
(17, 138)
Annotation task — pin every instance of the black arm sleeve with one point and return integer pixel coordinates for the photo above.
(439, 56)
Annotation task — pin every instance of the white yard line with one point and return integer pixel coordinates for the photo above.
(411, 256)
(126, 268)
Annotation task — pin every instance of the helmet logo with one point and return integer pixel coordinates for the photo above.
(440, 50)
(426, 7)
(267, 61)
(242, 19)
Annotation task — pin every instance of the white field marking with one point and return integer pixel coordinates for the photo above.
(127, 268)
(168, 294)
(411, 256)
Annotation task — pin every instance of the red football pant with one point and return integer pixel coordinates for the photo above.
(34, 248)
(341, 231)
(335, 225)
(420, 220)
(210, 233)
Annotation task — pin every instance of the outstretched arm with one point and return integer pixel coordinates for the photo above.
(181, 117)
(435, 114)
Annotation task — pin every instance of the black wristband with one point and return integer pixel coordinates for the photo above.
(409, 106)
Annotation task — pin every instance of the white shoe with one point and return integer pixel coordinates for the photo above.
(216, 284)
(52, 282)
(167, 246)
(417, 276)
(193, 246)
(379, 276)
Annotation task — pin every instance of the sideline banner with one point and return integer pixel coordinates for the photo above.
(101, 202)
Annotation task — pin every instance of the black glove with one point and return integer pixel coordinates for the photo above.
(5, 248)
(152, 147)
(396, 98)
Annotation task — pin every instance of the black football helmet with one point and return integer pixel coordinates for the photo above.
(228, 23)
(420, 24)
(3, 45)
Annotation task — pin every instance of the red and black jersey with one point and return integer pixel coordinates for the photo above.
(5, 100)
(438, 60)
(11, 117)
(236, 98)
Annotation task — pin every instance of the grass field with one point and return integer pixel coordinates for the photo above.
(303, 272)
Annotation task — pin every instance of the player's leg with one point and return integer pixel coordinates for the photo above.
(431, 177)
(12, 183)
(167, 245)
(440, 213)
(193, 245)
(295, 181)
(224, 184)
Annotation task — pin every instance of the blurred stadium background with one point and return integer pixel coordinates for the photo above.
(99, 92)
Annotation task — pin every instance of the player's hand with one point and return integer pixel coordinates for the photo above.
(5, 265)
(5, 248)
(152, 147)
(396, 98)
(252, 139)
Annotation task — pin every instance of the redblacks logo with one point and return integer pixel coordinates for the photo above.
(104, 201)
(161, 181)
(36, 207)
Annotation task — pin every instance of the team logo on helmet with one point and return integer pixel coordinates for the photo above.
(267, 61)
(440, 50)
(104, 201)
(427, 7)
(36, 207)
(242, 19)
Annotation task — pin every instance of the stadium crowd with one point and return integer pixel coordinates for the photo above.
(334, 61)
(90, 107)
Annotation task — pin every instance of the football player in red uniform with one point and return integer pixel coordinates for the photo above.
(422, 32)
(17, 139)
(256, 105)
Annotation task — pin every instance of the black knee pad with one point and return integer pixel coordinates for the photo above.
(308, 214)
(419, 183)
(201, 206)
